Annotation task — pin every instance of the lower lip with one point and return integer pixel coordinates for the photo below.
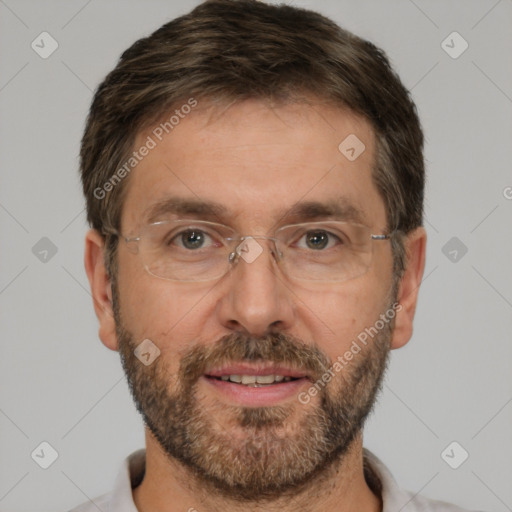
(272, 394)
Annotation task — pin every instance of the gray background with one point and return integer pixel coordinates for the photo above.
(452, 382)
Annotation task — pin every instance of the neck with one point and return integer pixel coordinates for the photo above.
(168, 486)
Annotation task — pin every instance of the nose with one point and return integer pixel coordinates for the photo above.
(256, 298)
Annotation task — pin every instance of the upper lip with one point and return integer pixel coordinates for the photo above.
(256, 370)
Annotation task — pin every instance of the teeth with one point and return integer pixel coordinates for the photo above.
(264, 379)
(255, 380)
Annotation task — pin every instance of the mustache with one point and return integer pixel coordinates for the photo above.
(277, 348)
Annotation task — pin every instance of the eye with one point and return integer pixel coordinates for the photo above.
(319, 239)
(191, 238)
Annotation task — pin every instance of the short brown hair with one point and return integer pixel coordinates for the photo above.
(225, 51)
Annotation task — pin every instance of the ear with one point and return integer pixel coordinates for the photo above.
(101, 288)
(415, 246)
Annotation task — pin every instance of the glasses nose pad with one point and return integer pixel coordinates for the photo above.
(276, 252)
(233, 257)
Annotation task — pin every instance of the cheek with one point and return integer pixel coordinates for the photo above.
(341, 314)
(163, 311)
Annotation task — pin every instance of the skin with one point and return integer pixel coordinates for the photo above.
(254, 160)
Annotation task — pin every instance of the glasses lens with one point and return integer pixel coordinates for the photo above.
(186, 250)
(327, 251)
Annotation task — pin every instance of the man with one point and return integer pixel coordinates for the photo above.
(254, 180)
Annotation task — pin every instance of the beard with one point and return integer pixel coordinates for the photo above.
(254, 453)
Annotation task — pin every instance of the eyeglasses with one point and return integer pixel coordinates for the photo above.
(190, 250)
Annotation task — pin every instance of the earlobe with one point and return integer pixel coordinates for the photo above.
(415, 246)
(101, 288)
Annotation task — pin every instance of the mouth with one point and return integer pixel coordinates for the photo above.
(256, 385)
(255, 381)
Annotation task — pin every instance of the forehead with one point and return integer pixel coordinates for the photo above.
(256, 165)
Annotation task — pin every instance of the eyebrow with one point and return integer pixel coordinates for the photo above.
(335, 209)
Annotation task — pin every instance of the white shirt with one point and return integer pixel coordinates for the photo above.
(379, 478)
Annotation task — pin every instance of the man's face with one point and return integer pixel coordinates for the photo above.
(257, 163)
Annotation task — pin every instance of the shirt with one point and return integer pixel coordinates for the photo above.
(377, 475)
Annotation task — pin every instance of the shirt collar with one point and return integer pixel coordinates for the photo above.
(129, 477)
(381, 482)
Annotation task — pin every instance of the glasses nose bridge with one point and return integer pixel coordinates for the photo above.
(243, 246)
